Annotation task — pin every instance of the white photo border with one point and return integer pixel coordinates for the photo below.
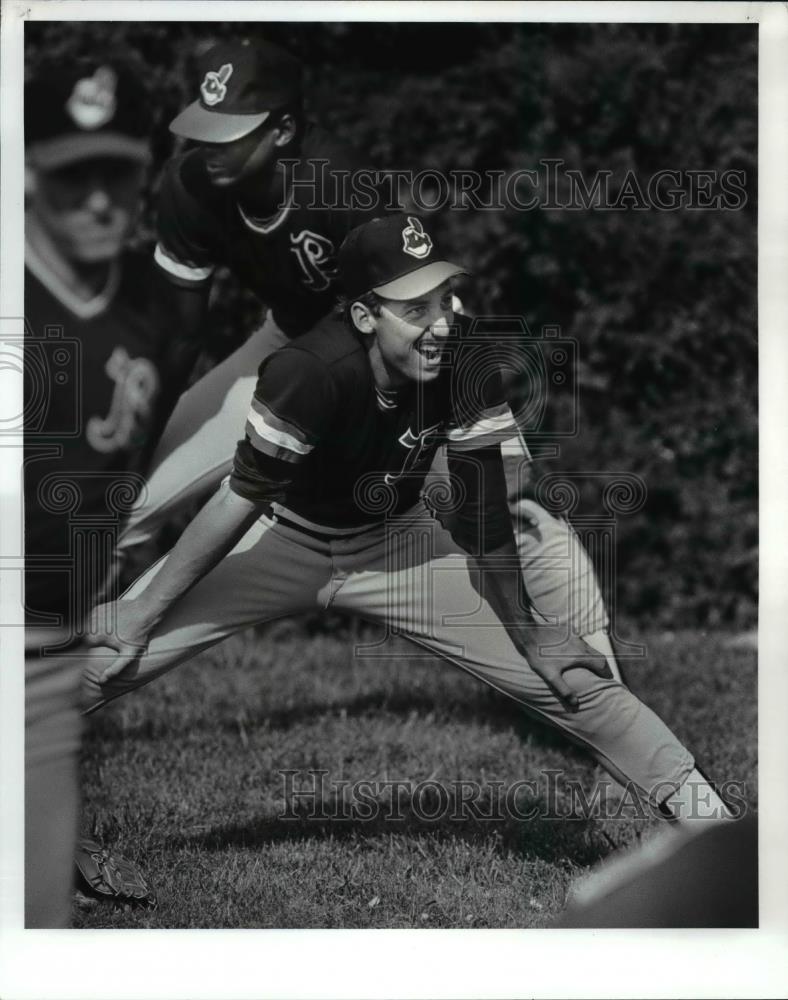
(435, 964)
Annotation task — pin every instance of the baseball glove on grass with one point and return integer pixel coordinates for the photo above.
(111, 877)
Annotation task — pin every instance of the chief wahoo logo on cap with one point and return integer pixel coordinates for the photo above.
(214, 89)
(92, 102)
(414, 240)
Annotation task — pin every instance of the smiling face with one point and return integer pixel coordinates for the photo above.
(88, 208)
(407, 338)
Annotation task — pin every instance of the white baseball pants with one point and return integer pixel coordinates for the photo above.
(409, 575)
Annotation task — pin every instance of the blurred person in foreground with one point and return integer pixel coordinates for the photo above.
(325, 508)
(710, 880)
(92, 375)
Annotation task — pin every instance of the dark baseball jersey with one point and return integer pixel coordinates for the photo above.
(322, 440)
(289, 260)
(91, 381)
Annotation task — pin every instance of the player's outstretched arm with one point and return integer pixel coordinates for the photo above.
(184, 309)
(126, 625)
(482, 525)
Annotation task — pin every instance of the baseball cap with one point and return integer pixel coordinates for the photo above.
(395, 257)
(241, 83)
(79, 110)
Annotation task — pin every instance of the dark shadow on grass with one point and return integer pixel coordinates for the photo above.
(576, 839)
(492, 709)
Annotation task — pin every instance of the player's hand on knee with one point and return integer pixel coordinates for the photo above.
(551, 657)
(119, 626)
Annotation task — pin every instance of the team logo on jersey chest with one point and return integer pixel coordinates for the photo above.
(214, 86)
(414, 240)
(136, 384)
(316, 258)
(418, 446)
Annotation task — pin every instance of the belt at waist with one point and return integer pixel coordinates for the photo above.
(323, 534)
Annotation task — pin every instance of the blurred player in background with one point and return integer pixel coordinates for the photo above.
(93, 373)
(234, 201)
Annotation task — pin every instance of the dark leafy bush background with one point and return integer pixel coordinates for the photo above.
(662, 303)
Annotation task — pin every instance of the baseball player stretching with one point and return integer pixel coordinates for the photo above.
(231, 202)
(324, 509)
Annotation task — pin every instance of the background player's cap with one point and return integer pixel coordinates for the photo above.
(89, 108)
(395, 258)
(241, 83)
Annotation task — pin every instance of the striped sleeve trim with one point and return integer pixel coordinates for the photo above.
(267, 415)
(176, 268)
(274, 436)
(493, 426)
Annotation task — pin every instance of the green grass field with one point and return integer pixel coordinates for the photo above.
(184, 777)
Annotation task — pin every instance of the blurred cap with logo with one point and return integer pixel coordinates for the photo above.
(81, 110)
